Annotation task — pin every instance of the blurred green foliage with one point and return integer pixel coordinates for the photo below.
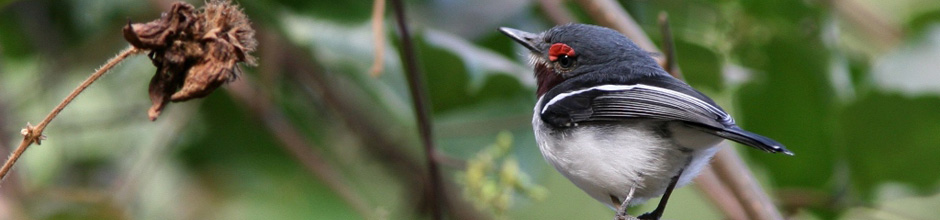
(862, 114)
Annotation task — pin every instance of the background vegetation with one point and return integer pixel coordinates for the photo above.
(851, 86)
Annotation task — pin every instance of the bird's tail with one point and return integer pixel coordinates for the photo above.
(754, 140)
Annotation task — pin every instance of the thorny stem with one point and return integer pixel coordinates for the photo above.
(33, 134)
(418, 91)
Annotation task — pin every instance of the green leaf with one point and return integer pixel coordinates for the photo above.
(701, 66)
(449, 80)
(921, 23)
(889, 137)
(793, 104)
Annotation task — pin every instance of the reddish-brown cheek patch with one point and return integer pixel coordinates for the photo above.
(559, 49)
(546, 79)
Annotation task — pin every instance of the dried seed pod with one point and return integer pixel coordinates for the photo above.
(195, 52)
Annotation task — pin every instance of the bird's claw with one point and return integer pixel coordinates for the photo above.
(622, 211)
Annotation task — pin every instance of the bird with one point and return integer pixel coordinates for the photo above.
(615, 123)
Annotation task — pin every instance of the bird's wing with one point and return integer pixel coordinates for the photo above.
(618, 102)
(640, 101)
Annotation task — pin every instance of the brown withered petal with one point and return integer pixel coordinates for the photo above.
(158, 33)
(195, 52)
(159, 86)
(203, 78)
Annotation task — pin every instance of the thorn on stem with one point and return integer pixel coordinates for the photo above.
(30, 134)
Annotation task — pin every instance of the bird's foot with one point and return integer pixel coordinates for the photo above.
(622, 211)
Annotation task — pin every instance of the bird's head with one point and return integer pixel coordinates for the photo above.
(566, 51)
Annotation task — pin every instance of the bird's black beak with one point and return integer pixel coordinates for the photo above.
(527, 39)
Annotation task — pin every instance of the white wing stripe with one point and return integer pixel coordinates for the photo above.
(611, 88)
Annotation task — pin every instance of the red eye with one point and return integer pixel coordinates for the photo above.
(558, 50)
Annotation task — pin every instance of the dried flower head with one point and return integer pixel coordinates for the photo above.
(195, 51)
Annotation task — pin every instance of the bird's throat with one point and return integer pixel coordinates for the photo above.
(546, 79)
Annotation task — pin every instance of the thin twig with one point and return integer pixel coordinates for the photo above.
(555, 11)
(419, 98)
(378, 37)
(33, 134)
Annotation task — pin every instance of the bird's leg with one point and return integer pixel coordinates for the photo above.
(658, 212)
(622, 211)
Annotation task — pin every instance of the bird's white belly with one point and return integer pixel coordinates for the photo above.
(607, 160)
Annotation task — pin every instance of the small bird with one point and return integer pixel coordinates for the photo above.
(616, 124)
